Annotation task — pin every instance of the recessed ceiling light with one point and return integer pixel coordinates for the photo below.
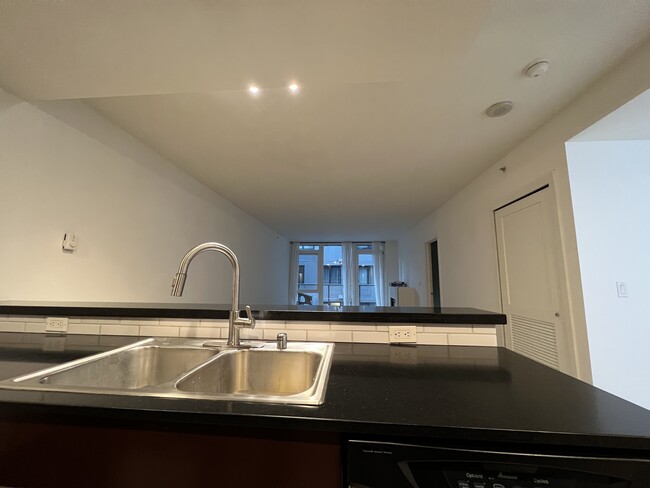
(254, 90)
(294, 88)
(499, 109)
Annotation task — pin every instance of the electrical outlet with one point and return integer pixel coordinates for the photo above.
(402, 333)
(56, 324)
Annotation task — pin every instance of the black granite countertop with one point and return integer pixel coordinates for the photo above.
(469, 393)
(324, 313)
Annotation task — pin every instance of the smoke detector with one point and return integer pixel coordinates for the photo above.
(537, 68)
(499, 109)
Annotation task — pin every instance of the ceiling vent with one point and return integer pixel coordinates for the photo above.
(499, 109)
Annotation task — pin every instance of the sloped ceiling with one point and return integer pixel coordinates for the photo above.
(389, 120)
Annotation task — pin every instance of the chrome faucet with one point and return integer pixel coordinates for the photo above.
(235, 322)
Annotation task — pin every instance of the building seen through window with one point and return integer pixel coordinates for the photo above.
(321, 274)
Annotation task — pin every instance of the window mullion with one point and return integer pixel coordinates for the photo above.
(321, 260)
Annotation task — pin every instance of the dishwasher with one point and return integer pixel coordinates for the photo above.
(372, 464)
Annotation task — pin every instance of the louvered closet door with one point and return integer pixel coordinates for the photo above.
(532, 294)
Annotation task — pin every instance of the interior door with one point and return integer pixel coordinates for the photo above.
(533, 290)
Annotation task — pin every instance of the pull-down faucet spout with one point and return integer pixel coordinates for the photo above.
(235, 322)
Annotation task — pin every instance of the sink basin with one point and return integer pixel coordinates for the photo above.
(260, 373)
(196, 369)
(131, 369)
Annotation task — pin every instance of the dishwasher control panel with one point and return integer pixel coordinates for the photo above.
(501, 479)
(372, 464)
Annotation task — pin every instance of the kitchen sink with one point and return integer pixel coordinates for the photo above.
(191, 368)
(265, 373)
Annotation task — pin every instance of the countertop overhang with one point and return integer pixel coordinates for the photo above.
(458, 393)
(316, 313)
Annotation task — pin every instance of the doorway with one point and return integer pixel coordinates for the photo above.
(532, 280)
(434, 275)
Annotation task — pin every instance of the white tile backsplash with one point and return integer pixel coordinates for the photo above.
(21, 318)
(180, 322)
(146, 322)
(353, 326)
(37, 327)
(292, 335)
(83, 328)
(6, 326)
(308, 325)
(375, 333)
(433, 339)
(202, 332)
(483, 329)
(268, 324)
(159, 331)
(127, 330)
(370, 337)
(213, 323)
(329, 335)
(472, 340)
(99, 320)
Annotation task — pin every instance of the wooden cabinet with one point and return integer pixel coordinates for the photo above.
(59, 455)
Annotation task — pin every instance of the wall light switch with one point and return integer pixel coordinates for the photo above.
(621, 289)
(69, 242)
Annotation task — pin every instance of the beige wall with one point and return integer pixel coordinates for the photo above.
(64, 168)
(464, 226)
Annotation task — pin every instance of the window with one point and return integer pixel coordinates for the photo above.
(321, 274)
(366, 286)
(301, 274)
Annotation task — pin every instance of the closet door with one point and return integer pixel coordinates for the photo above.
(533, 290)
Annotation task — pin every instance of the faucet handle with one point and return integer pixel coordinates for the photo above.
(240, 322)
(250, 320)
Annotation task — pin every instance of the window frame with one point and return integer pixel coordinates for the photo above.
(320, 253)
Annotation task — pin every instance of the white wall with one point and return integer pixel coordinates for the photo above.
(464, 226)
(611, 202)
(64, 168)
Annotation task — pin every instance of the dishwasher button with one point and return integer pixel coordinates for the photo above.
(478, 484)
(463, 484)
(498, 485)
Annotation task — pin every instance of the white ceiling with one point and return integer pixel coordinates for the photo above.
(389, 123)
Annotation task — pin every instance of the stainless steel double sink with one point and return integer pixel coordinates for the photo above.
(194, 369)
